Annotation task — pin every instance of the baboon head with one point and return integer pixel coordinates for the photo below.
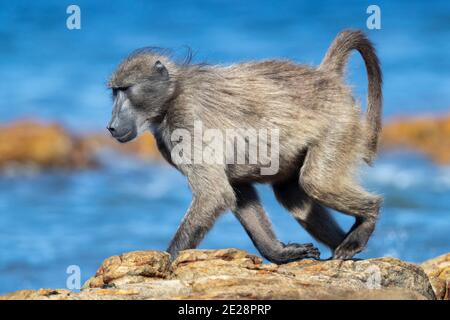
(141, 87)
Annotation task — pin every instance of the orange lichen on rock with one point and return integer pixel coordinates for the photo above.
(31, 143)
(428, 135)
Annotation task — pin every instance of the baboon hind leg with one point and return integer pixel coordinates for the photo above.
(258, 226)
(326, 176)
(311, 215)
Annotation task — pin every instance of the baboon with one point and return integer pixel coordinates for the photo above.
(323, 137)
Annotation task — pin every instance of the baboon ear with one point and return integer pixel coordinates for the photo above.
(161, 69)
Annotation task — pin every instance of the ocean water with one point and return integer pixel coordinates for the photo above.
(50, 220)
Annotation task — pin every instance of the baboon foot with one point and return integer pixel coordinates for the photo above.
(355, 241)
(347, 250)
(293, 252)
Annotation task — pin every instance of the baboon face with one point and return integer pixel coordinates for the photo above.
(139, 93)
(126, 123)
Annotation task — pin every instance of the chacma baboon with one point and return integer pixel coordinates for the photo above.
(322, 139)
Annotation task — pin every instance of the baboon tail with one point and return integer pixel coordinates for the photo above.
(335, 61)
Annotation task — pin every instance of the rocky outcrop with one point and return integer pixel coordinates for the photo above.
(438, 271)
(38, 145)
(235, 274)
(430, 136)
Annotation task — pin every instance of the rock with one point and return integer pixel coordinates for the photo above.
(438, 271)
(131, 267)
(236, 274)
(39, 145)
(427, 135)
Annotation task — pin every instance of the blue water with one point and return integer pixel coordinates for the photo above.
(51, 220)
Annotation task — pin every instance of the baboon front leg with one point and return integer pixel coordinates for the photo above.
(326, 178)
(311, 215)
(207, 204)
(258, 226)
(196, 223)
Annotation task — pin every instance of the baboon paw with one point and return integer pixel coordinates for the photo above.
(296, 251)
(347, 250)
(297, 245)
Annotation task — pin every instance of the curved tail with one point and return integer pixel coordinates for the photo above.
(335, 60)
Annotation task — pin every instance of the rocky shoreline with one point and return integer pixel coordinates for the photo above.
(40, 145)
(236, 274)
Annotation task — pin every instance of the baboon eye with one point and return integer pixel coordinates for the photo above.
(117, 89)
